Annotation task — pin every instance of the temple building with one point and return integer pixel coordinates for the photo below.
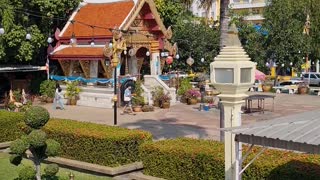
(96, 29)
(83, 44)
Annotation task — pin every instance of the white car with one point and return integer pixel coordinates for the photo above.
(288, 85)
(311, 78)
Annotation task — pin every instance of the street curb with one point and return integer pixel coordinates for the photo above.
(112, 171)
(140, 176)
(5, 145)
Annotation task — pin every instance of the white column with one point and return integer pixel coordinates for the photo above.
(232, 118)
(153, 63)
(317, 65)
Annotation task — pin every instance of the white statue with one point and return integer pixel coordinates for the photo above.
(11, 96)
(24, 99)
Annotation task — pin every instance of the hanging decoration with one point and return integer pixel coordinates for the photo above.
(190, 61)
(169, 60)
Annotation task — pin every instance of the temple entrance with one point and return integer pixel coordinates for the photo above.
(143, 56)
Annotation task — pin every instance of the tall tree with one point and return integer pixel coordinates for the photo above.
(198, 41)
(284, 21)
(224, 21)
(36, 17)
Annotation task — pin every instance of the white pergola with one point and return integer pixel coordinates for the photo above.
(300, 132)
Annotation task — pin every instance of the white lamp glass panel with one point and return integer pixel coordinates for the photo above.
(245, 75)
(224, 75)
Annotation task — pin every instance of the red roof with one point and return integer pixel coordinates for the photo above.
(107, 15)
(79, 52)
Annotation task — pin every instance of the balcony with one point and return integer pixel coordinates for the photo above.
(245, 4)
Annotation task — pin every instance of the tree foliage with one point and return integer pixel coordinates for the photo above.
(198, 41)
(37, 17)
(284, 21)
(170, 11)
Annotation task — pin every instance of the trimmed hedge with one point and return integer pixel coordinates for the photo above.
(98, 144)
(9, 129)
(88, 142)
(186, 159)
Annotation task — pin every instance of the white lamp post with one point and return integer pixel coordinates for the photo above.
(232, 73)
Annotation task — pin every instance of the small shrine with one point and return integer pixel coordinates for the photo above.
(83, 45)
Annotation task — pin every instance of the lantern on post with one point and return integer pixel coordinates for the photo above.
(232, 73)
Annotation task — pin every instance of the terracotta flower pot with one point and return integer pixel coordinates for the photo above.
(302, 90)
(49, 100)
(73, 102)
(192, 101)
(266, 88)
(137, 108)
(166, 105)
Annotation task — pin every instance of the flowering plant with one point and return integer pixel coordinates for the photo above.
(165, 98)
(192, 93)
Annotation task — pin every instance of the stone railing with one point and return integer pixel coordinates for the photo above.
(151, 81)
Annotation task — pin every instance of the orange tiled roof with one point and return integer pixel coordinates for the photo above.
(79, 52)
(106, 15)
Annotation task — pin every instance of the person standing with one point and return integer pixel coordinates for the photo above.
(127, 100)
(58, 99)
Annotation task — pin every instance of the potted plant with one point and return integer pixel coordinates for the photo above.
(183, 88)
(192, 96)
(72, 92)
(138, 99)
(165, 101)
(303, 88)
(47, 90)
(157, 93)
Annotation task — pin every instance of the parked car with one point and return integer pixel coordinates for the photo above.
(311, 78)
(287, 85)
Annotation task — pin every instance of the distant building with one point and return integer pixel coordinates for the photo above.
(214, 12)
(252, 9)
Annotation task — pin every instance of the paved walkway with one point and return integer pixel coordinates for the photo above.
(185, 120)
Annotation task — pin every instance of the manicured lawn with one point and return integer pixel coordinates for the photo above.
(9, 171)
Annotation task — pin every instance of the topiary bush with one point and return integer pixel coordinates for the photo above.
(9, 129)
(36, 141)
(27, 173)
(186, 158)
(51, 170)
(36, 117)
(95, 143)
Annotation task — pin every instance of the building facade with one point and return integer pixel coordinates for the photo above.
(251, 9)
(213, 13)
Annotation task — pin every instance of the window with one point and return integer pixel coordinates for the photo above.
(313, 76)
(285, 83)
(306, 75)
(245, 76)
(318, 75)
(224, 75)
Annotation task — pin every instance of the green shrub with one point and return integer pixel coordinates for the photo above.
(48, 88)
(9, 130)
(203, 159)
(94, 143)
(37, 138)
(27, 173)
(19, 146)
(36, 117)
(183, 159)
(51, 169)
(53, 147)
(15, 159)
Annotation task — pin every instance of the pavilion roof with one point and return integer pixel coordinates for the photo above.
(69, 53)
(106, 15)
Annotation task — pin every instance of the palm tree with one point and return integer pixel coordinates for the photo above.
(224, 15)
(224, 21)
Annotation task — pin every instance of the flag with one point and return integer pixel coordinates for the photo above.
(56, 34)
(47, 67)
